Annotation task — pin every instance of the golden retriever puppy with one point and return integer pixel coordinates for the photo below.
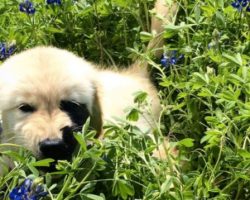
(48, 93)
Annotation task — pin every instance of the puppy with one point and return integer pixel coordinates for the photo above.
(48, 93)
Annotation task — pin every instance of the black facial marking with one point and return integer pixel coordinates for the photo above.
(58, 149)
(77, 112)
(69, 138)
(26, 108)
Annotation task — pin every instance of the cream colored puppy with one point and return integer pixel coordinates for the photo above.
(48, 93)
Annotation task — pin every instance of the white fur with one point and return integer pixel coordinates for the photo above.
(44, 76)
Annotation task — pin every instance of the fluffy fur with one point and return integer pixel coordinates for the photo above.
(34, 83)
(44, 76)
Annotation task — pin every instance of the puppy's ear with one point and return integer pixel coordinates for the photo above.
(96, 117)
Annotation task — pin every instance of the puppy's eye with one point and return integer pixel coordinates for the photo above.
(27, 108)
(77, 112)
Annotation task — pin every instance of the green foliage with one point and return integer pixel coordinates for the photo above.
(206, 97)
(98, 30)
(205, 101)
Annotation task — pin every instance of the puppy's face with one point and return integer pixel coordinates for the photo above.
(46, 95)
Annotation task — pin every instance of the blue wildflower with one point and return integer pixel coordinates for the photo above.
(240, 4)
(27, 7)
(167, 60)
(28, 191)
(2, 51)
(57, 2)
(6, 51)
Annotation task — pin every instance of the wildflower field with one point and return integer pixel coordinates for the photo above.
(203, 79)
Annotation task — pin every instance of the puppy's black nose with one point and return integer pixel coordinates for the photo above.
(59, 149)
(55, 149)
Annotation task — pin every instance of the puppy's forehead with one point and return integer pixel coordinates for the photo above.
(48, 74)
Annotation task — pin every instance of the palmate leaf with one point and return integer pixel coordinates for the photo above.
(133, 115)
(202, 78)
(212, 137)
(237, 80)
(123, 188)
(235, 59)
(187, 142)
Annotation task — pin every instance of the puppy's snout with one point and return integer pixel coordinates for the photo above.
(55, 149)
(59, 149)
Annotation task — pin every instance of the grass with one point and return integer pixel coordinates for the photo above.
(205, 101)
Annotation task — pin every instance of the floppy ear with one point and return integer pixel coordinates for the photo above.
(96, 117)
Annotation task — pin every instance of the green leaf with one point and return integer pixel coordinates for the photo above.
(228, 95)
(122, 3)
(55, 30)
(212, 137)
(235, 59)
(124, 188)
(34, 171)
(140, 97)
(92, 197)
(187, 142)
(165, 82)
(86, 126)
(133, 115)
(205, 92)
(145, 36)
(43, 163)
(172, 27)
(220, 3)
(197, 12)
(236, 79)
(220, 19)
(182, 95)
(208, 10)
(167, 185)
(244, 153)
(81, 141)
(202, 78)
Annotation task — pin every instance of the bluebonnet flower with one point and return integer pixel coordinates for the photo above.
(240, 4)
(27, 7)
(58, 2)
(167, 60)
(6, 51)
(28, 191)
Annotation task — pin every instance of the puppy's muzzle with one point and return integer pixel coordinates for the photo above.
(59, 149)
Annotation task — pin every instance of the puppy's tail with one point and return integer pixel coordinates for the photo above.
(164, 13)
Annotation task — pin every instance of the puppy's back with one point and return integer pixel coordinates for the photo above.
(117, 92)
